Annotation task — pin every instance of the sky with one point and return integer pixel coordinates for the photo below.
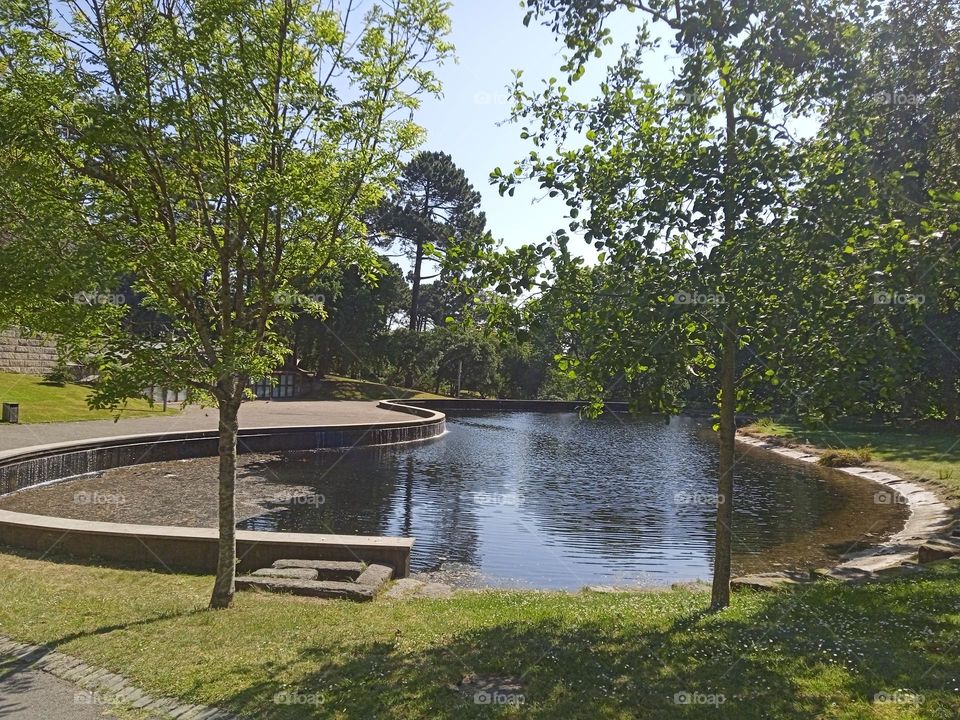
(469, 121)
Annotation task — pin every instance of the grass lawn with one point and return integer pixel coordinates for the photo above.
(930, 455)
(884, 650)
(41, 401)
(344, 388)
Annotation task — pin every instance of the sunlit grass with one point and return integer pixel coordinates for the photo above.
(930, 454)
(41, 401)
(825, 653)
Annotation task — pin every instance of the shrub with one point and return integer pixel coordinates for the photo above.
(846, 457)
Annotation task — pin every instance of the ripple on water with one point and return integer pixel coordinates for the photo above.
(517, 499)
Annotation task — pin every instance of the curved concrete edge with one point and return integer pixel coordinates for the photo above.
(191, 548)
(929, 517)
(502, 404)
(195, 549)
(26, 453)
(405, 406)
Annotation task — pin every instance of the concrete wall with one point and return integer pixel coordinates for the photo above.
(514, 405)
(196, 548)
(30, 355)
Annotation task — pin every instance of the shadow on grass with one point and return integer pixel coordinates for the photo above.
(830, 651)
(60, 558)
(921, 444)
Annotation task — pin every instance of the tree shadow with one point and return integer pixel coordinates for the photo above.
(791, 655)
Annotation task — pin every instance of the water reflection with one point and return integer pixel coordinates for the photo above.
(550, 500)
(542, 500)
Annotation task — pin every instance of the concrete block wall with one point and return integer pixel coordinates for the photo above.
(24, 354)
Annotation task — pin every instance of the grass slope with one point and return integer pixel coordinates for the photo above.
(335, 387)
(930, 455)
(884, 650)
(41, 401)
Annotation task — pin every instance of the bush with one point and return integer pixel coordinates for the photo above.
(846, 457)
(60, 375)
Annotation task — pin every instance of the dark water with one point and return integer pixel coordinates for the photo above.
(552, 501)
(517, 499)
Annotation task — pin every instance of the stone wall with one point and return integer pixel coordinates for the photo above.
(22, 354)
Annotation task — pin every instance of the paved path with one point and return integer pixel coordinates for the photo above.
(34, 695)
(38, 683)
(259, 413)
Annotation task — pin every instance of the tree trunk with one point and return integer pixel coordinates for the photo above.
(948, 387)
(223, 587)
(415, 289)
(414, 305)
(720, 597)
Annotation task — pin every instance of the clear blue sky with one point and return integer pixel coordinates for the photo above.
(468, 122)
(490, 42)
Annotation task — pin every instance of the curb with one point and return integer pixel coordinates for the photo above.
(100, 683)
(929, 517)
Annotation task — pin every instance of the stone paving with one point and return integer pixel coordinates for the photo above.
(39, 683)
(259, 413)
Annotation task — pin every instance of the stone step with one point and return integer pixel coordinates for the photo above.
(937, 550)
(308, 588)
(291, 573)
(326, 569)
(375, 575)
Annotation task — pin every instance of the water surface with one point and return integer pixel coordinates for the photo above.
(520, 499)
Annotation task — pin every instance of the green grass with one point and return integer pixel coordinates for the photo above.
(929, 454)
(42, 401)
(825, 652)
(336, 387)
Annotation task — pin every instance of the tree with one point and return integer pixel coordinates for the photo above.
(433, 208)
(358, 316)
(679, 186)
(470, 361)
(901, 126)
(222, 154)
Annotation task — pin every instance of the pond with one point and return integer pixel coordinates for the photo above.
(518, 499)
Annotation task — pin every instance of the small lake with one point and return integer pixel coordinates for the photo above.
(544, 500)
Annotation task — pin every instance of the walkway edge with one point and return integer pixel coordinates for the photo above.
(103, 684)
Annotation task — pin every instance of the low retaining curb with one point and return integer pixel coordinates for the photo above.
(98, 685)
(188, 548)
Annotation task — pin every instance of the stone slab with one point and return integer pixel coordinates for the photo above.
(937, 550)
(307, 588)
(375, 575)
(327, 569)
(292, 573)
